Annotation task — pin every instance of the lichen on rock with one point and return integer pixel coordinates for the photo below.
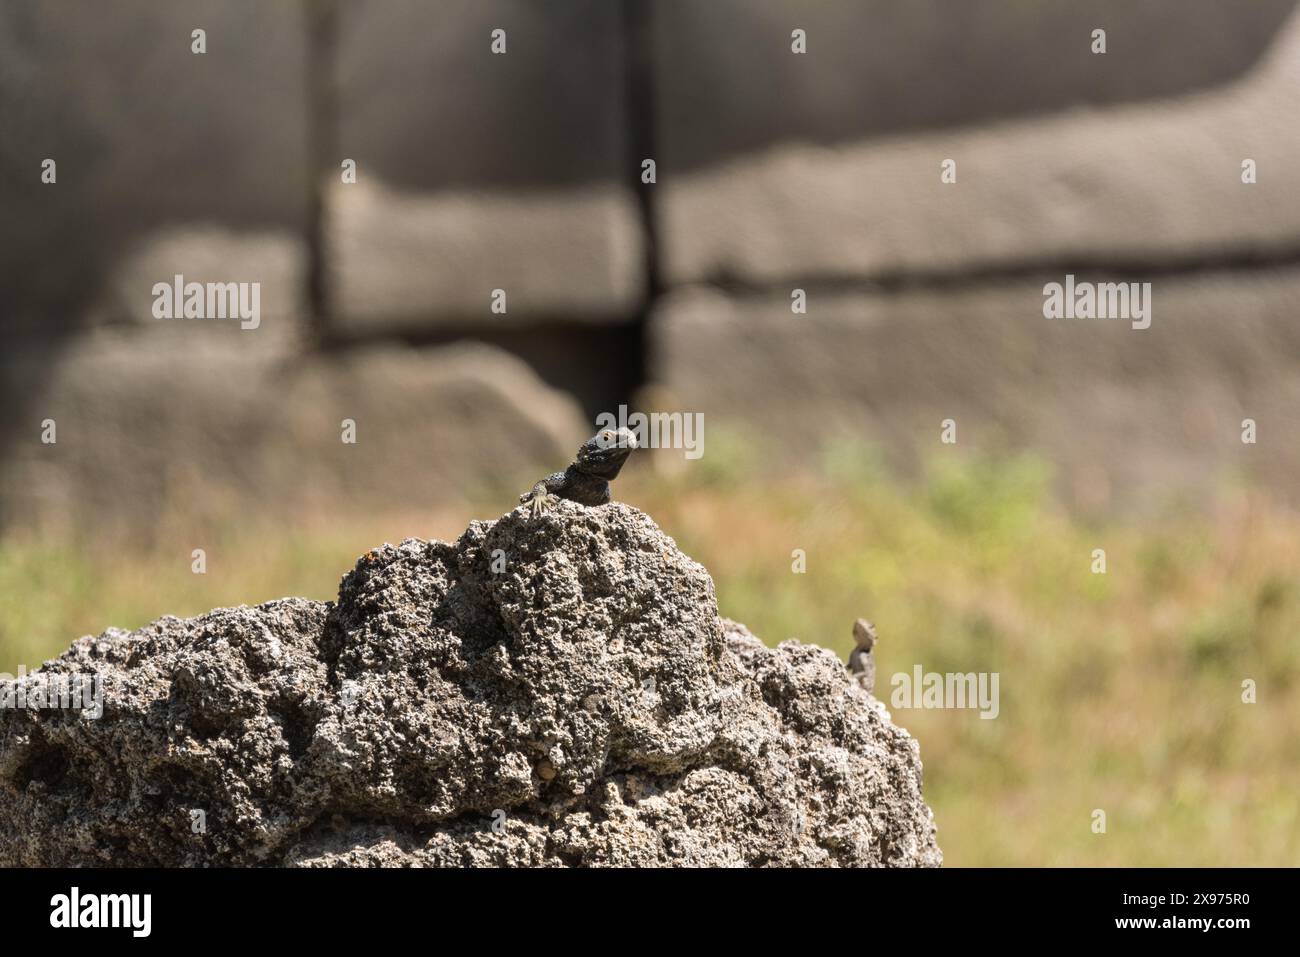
(543, 692)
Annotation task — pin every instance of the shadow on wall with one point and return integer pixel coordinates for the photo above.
(144, 133)
(728, 85)
(149, 135)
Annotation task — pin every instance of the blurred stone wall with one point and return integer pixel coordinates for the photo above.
(924, 297)
(485, 177)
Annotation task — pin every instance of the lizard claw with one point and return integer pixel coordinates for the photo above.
(538, 504)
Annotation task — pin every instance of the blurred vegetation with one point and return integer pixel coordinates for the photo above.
(1119, 691)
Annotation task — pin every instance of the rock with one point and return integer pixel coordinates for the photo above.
(275, 261)
(728, 83)
(585, 706)
(172, 421)
(1107, 185)
(478, 171)
(1124, 416)
(404, 261)
(424, 102)
(147, 135)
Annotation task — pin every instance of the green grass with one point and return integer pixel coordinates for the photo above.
(1119, 691)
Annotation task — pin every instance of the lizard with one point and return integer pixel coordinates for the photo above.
(861, 661)
(587, 480)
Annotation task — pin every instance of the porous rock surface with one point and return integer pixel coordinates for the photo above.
(551, 691)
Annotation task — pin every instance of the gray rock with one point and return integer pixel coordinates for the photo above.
(1127, 417)
(479, 171)
(147, 135)
(584, 706)
(425, 103)
(275, 261)
(173, 420)
(1140, 183)
(405, 261)
(728, 83)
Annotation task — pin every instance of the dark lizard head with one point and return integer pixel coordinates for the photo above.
(604, 453)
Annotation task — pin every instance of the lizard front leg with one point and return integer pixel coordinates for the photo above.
(537, 500)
